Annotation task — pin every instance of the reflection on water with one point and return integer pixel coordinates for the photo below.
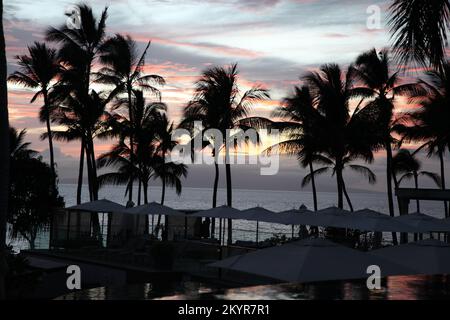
(393, 288)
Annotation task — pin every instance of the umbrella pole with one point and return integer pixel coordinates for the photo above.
(292, 235)
(153, 227)
(223, 231)
(220, 231)
(257, 233)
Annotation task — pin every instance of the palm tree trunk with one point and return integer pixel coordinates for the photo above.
(147, 219)
(313, 185)
(344, 189)
(4, 156)
(163, 194)
(163, 191)
(93, 185)
(50, 138)
(89, 171)
(214, 204)
(94, 168)
(441, 162)
(229, 194)
(80, 173)
(416, 184)
(339, 181)
(389, 184)
(139, 192)
(130, 115)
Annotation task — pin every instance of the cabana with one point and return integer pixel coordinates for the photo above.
(222, 212)
(154, 209)
(75, 223)
(309, 260)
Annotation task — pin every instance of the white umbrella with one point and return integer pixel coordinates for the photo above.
(424, 257)
(153, 208)
(423, 223)
(309, 260)
(103, 205)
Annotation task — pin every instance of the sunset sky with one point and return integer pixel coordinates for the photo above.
(273, 41)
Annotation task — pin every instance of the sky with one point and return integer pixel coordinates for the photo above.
(274, 43)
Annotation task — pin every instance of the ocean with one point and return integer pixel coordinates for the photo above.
(276, 200)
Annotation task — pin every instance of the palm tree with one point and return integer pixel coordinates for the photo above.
(124, 70)
(4, 155)
(373, 71)
(405, 163)
(219, 104)
(79, 49)
(341, 136)
(419, 29)
(18, 149)
(38, 70)
(84, 121)
(331, 166)
(429, 122)
(169, 172)
(148, 119)
(299, 113)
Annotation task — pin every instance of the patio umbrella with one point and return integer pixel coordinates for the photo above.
(424, 257)
(153, 208)
(335, 217)
(369, 220)
(258, 214)
(309, 260)
(222, 212)
(423, 223)
(103, 205)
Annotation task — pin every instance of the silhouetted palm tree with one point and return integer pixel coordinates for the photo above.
(405, 163)
(419, 29)
(148, 119)
(79, 49)
(341, 135)
(4, 155)
(429, 124)
(331, 166)
(37, 70)
(124, 70)
(219, 104)
(83, 121)
(300, 114)
(18, 149)
(373, 70)
(169, 173)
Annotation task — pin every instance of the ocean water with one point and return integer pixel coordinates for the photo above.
(201, 198)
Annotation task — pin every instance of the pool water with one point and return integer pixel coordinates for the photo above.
(393, 288)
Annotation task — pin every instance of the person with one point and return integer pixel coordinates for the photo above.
(205, 228)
